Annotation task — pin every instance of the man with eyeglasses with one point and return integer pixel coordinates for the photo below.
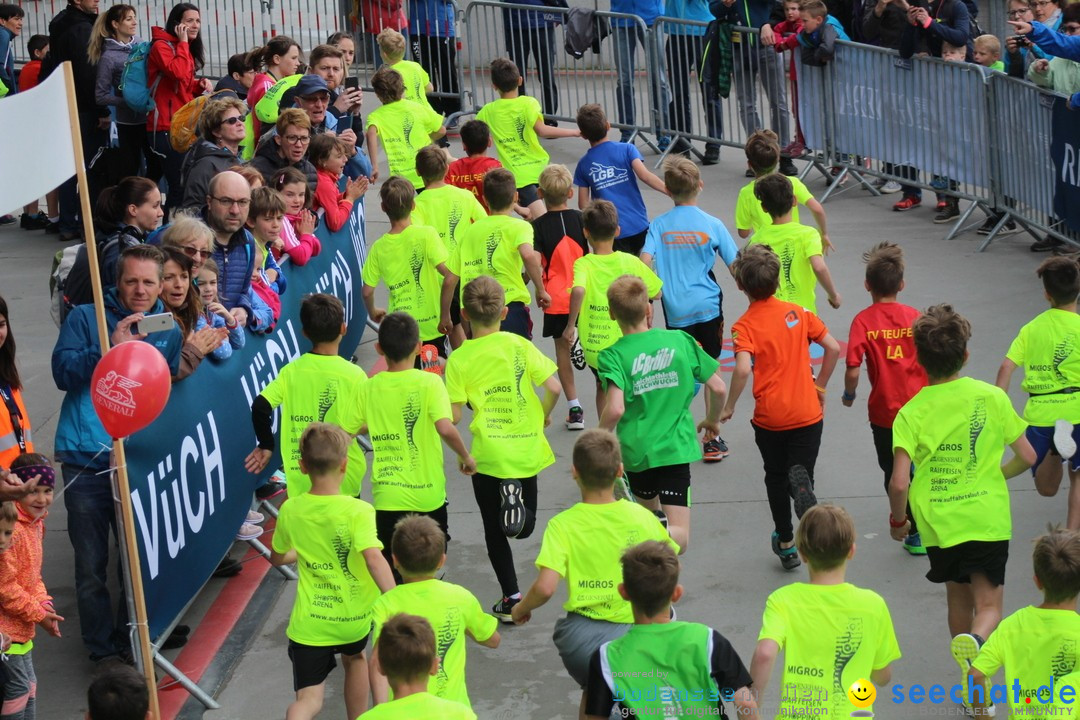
(287, 144)
(234, 247)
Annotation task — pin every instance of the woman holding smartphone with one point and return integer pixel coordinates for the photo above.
(181, 298)
(176, 54)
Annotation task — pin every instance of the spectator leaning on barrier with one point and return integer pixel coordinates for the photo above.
(83, 446)
(756, 60)
(944, 21)
(69, 37)
(287, 147)
(1061, 74)
(1020, 54)
(1053, 43)
(532, 32)
(221, 130)
(626, 34)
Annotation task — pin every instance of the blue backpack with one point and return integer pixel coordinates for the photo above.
(133, 81)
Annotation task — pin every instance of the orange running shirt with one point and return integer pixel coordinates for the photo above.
(777, 335)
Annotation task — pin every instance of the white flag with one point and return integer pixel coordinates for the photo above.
(38, 154)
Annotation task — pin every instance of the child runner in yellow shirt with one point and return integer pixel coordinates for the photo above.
(593, 275)
(955, 431)
(419, 551)
(403, 126)
(494, 373)
(331, 538)
(831, 632)
(406, 412)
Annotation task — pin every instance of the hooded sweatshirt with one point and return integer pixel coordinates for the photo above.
(22, 591)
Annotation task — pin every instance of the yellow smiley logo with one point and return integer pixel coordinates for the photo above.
(861, 693)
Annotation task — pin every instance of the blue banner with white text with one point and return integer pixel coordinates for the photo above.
(189, 489)
(1065, 151)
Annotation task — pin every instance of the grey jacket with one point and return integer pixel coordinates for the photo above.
(110, 69)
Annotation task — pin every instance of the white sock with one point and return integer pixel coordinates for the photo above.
(573, 403)
(515, 596)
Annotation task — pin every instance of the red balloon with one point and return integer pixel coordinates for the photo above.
(130, 387)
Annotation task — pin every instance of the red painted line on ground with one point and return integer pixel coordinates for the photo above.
(206, 639)
(378, 367)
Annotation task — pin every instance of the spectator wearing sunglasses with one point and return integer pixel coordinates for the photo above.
(221, 130)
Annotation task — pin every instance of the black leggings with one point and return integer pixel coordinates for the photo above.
(782, 450)
(883, 446)
(486, 491)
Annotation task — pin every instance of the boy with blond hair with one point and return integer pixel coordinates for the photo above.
(407, 413)
(763, 158)
(517, 124)
(494, 373)
(682, 246)
(610, 171)
(25, 602)
(955, 431)
(499, 245)
(403, 126)
(772, 340)
(411, 261)
(882, 334)
(413, 75)
(707, 661)
(331, 538)
(593, 275)
(798, 246)
(448, 209)
(1037, 644)
(831, 632)
(987, 52)
(582, 545)
(650, 377)
(419, 551)
(1047, 349)
(560, 239)
(408, 656)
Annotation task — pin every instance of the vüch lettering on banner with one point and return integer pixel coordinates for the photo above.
(189, 489)
(1065, 150)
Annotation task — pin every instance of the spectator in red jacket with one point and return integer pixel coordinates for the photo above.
(176, 54)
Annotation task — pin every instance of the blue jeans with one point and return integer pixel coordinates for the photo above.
(626, 40)
(91, 516)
